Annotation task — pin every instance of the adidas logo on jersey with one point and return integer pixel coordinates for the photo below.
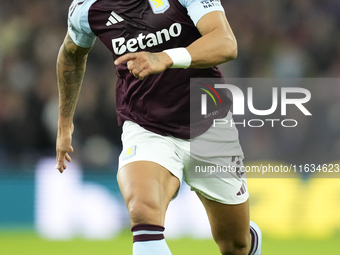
(113, 19)
(120, 45)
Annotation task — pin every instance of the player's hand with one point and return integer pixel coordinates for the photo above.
(64, 140)
(143, 63)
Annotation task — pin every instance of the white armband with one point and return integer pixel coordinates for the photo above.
(181, 57)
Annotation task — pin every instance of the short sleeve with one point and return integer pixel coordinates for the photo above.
(78, 24)
(198, 8)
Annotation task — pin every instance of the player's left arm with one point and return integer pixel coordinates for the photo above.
(217, 45)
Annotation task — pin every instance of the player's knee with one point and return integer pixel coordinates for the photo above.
(240, 246)
(144, 212)
(235, 249)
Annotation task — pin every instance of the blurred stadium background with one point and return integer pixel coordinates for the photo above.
(82, 212)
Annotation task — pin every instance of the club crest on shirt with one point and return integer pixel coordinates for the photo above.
(159, 6)
(130, 152)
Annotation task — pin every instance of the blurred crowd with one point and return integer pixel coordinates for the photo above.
(276, 39)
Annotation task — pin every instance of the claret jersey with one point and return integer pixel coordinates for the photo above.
(161, 102)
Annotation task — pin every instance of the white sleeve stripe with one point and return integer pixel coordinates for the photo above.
(198, 8)
(79, 27)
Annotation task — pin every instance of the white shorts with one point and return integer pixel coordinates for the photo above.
(177, 155)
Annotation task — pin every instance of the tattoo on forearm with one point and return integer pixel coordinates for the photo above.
(70, 72)
(69, 97)
(73, 76)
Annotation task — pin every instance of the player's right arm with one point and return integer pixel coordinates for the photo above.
(71, 65)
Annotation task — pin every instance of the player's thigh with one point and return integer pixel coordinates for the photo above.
(229, 223)
(149, 173)
(147, 188)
